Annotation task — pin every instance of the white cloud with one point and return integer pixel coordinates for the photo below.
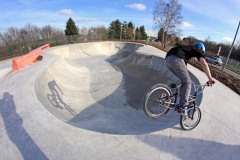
(66, 12)
(186, 25)
(228, 40)
(137, 6)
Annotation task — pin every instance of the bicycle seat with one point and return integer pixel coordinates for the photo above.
(174, 85)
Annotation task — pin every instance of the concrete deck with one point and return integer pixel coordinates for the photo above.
(84, 101)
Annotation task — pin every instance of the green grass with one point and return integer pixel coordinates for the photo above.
(234, 68)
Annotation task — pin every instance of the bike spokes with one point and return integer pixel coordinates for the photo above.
(157, 101)
(192, 120)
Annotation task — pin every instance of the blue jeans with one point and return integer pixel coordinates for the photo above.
(178, 67)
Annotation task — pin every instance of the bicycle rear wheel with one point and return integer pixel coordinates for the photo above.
(192, 120)
(157, 101)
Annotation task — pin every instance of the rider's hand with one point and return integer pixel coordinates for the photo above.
(211, 82)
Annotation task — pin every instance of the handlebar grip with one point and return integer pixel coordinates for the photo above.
(207, 84)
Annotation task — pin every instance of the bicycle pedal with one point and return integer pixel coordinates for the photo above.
(184, 115)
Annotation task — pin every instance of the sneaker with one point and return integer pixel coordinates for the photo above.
(180, 108)
(184, 110)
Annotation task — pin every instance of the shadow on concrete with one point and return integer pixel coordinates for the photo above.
(16, 132)
(188, 148)
(55, 98)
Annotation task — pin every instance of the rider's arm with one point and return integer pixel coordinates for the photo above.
(206, 70)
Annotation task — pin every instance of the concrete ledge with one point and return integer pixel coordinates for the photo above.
(25, 60)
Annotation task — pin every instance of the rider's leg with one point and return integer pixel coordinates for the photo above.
(179, 68)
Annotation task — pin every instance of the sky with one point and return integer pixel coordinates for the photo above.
(216, 20)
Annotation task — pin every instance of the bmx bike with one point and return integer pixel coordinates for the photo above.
(160, 99)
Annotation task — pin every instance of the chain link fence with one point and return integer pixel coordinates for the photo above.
(231, 62)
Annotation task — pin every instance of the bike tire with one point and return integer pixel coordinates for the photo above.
(192, 120)
(152, 105)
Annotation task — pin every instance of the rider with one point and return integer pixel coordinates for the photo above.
(176, 61)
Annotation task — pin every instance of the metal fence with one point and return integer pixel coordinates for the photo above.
(231, 62)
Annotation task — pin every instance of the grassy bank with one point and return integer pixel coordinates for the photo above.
(233, 68)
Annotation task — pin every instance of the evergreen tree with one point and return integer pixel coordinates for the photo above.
(71, 28)
(137, 35)
(114, 30)
(142, 33)
(124, 30)
(130, 29)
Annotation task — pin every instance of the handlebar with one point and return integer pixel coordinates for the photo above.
(198, 89)
(207, 84)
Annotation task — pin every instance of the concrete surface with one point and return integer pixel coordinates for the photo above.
(5, 67)
(84, 101)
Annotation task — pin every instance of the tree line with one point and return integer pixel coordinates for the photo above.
(116, 30)
(127, 31)
(33, 34)
(16, 41)
(28, 34)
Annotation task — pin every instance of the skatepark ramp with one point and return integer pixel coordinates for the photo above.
(99, 86)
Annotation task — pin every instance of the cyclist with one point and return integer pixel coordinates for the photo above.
(176, 61)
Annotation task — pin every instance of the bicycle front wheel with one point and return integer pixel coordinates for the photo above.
(157, 101)
(192, 120)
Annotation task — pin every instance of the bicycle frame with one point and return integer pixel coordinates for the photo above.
(160, 99)
(198, 89)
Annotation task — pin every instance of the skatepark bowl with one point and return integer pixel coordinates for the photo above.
(100, 86)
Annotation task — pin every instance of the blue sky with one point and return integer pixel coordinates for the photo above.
(216, 19)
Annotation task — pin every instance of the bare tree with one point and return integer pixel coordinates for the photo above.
(46, 32)
(1, 40)
(96, 32)
(33, 32)
(83, 31)
(102, 32)
(92, 32)
(167, 16)
(10, 37)
(29, 37)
